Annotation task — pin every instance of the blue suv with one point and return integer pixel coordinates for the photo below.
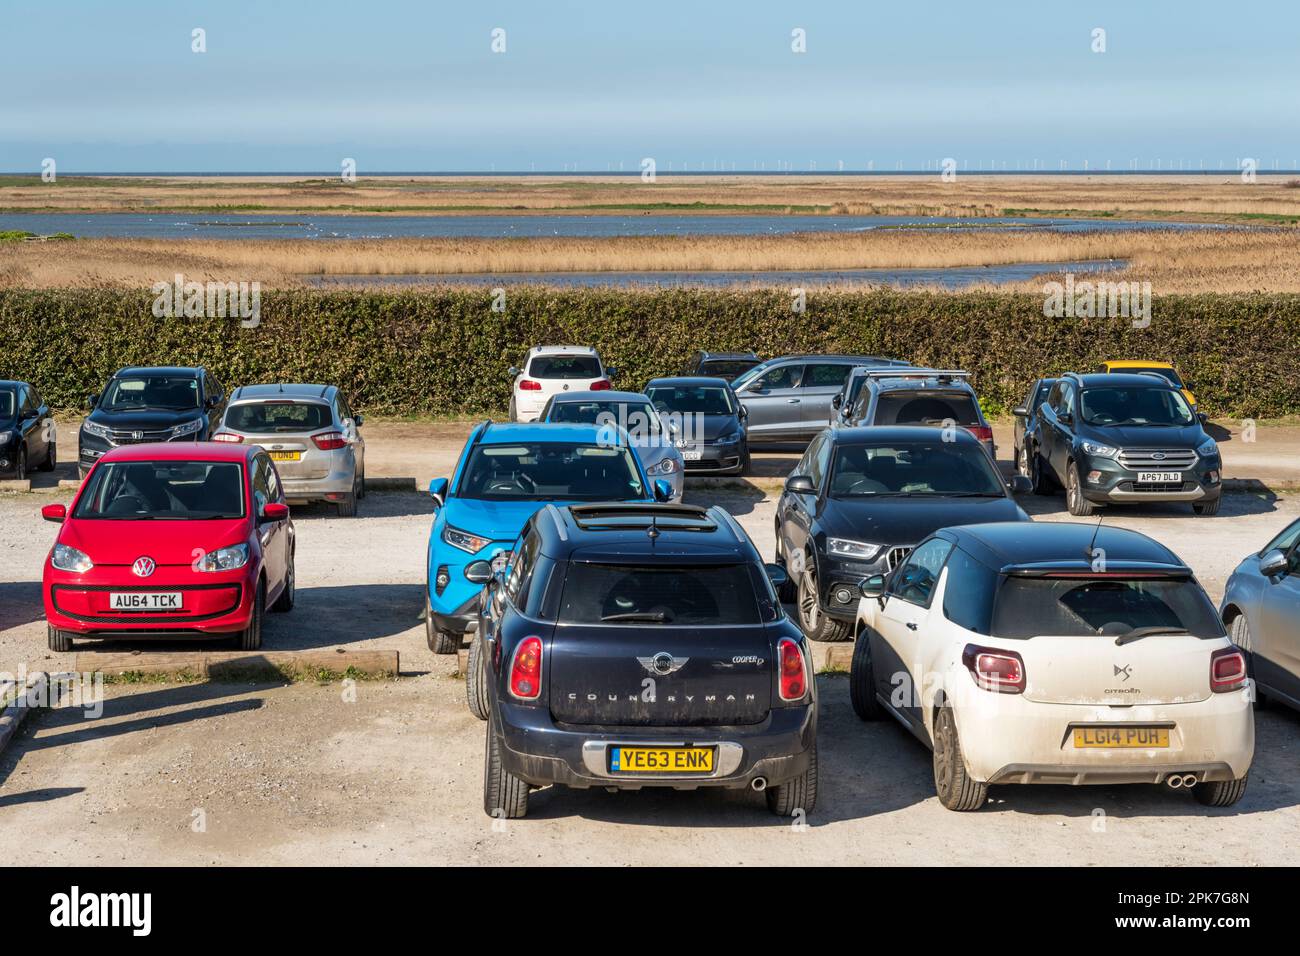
(504, 475)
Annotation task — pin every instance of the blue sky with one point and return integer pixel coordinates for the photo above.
(407, 85)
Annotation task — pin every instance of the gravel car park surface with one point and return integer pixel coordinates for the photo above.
(299, 773)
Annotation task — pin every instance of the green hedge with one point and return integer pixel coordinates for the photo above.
(443, 352)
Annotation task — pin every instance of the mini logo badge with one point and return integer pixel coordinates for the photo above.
(662, 663)
(143, 567)
(1127, 671)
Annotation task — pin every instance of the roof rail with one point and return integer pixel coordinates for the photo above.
(558, 518)
(908, 371)
(731, 522)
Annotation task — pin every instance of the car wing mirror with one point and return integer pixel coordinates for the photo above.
(1271, 564)
(777, 575)
(1202, 417)
(275, 511)
(873, 587)
(512, 371)
(438, 491)
(1020, 411)
(800, 485)
(663, 490)
(358, 420)
(837, 401)
(480, 572)
(92, 401)
(1020, 485)
(55, 513)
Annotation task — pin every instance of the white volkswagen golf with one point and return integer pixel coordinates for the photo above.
(1038, 652)
(553, 370)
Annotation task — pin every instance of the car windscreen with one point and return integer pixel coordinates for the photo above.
(278, 416)
(564, 367)
(917, 468)
(1118, 405)
(151, 392)
(914, 407)
(658, 596)
(725, 368)
(1102, 606)
(551, 470)
(1167, 374)
(142, 490)
(8, 398)
(636, 417)
(692, 399)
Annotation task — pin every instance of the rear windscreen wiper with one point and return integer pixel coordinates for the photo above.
(1140, 632)
(654, 617)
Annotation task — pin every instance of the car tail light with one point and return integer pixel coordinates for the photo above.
(982, 432)
(1002, 672)
(1227, 670)
(526, 669)
(794, 675)
(228, 437)
(528, 385)
(328, 441)
(600, 386)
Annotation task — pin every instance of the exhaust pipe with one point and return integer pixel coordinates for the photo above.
(1174, 781)
(1189, 780)
(759, 784)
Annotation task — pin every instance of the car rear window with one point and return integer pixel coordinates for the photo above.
(278, 416)
(658, 596)
(1102, 606)
(564, 367)
(927, 408)
(148, 490)
(725, 368)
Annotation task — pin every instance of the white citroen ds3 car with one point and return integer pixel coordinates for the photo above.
(1038, 652)
(553, 370)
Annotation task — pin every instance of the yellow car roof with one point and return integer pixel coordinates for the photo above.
(1130, 363)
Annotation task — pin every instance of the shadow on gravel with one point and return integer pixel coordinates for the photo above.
(20, 603)
(376, 504)
(1052, 507)
(44, 795)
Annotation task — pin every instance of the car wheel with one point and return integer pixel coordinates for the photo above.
(862, 679)
(797, 795)
(513, 414)
(361, 484)
(476, 680)
(348, 505)
(786, 592)
(250, 638)
(956, 790)
(58, 640)
(1207, 508)
(285, 601)
(505, 796)
(1220, 793)
(51, 459)
(1078, 505)
(744, 463)
(1239, 630)
(1037, 477)
(1022, 462)
(815, 624)
(20, 464)
(439, 641)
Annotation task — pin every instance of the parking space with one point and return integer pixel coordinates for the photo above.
(391, 771)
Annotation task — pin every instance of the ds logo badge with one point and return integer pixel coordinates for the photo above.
(1127, 671)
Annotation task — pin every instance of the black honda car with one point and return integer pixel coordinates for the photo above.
(641, 645)
(150, 405)
(861, 498)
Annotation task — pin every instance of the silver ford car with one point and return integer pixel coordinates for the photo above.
(311, 434)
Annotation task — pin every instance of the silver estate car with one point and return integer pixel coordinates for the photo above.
(1261, 608)
(311, 434)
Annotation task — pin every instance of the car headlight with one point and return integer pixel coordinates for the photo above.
(70, 559)
(94, 428)
(187, 428)
(471, 543)
(1208, 448)
(730, 439)
(223, 559)
(665, 466)
(5, 436)
(1101, 451)
(858, 550)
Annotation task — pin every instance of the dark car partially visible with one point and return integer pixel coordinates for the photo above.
(27, 434)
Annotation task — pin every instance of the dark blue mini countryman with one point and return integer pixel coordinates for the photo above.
(641, 645)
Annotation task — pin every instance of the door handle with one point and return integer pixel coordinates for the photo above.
(911, 625)
(792, 401)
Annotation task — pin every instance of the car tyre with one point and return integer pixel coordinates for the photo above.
(513, 413)
(20, 464)
(744, 464)
(51, 459)
(58, 640)
(361, 484)
(476, 680)
(797, 795)
(348, 505)
(1220, 793)
(1239, 631)
(505, 796)
(786, 592)
(439, 641)
(862, 679)
(1078, 505)
(956, 790)
(1038, 478)
(284, 603)
(250, 638)
(813, 621)
(1207, 509)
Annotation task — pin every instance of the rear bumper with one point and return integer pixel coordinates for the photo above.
(542, 752)
(298, 490)
(1013, 740)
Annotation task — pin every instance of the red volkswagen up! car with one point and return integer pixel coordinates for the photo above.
(169, 540)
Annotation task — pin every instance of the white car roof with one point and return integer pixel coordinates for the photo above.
(561, 350)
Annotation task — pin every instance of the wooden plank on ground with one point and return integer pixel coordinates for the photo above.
(236, 665)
